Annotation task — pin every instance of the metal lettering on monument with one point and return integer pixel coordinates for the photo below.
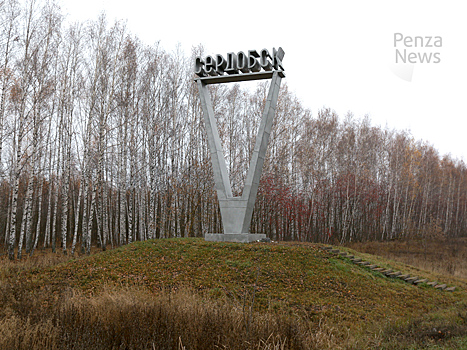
(236, 212)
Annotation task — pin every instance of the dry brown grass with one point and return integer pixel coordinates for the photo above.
(54, 314)
(442, 256)
(41, 259)
(132, 318)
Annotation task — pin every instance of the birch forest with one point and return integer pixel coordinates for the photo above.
(102, 143)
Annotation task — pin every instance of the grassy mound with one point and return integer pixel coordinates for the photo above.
(240, 296)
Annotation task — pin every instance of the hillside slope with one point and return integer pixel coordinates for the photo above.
(299, 276)
(295, 279)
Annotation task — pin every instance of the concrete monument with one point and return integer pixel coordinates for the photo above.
(236, 212)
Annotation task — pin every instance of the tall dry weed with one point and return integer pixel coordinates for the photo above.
(17, 333)
(136, 319)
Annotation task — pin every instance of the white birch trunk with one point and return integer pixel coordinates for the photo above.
(25, 222)
(14, 201)
(79, 202)
(14, 207)
(65, 198)
(49, 214)
(53, 226)
(38, 227)
(91, 218)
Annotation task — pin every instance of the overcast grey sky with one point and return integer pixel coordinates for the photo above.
(338, 54)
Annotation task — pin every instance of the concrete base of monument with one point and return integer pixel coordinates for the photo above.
(234, 237)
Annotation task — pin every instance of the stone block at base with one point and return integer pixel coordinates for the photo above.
(234, 237)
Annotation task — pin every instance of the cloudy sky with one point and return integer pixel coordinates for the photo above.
(338, 54)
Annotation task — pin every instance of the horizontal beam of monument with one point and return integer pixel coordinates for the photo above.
(238, 77)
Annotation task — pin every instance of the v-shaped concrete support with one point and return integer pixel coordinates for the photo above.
(236, 212)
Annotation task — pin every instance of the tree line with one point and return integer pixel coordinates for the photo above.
(102, 142)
